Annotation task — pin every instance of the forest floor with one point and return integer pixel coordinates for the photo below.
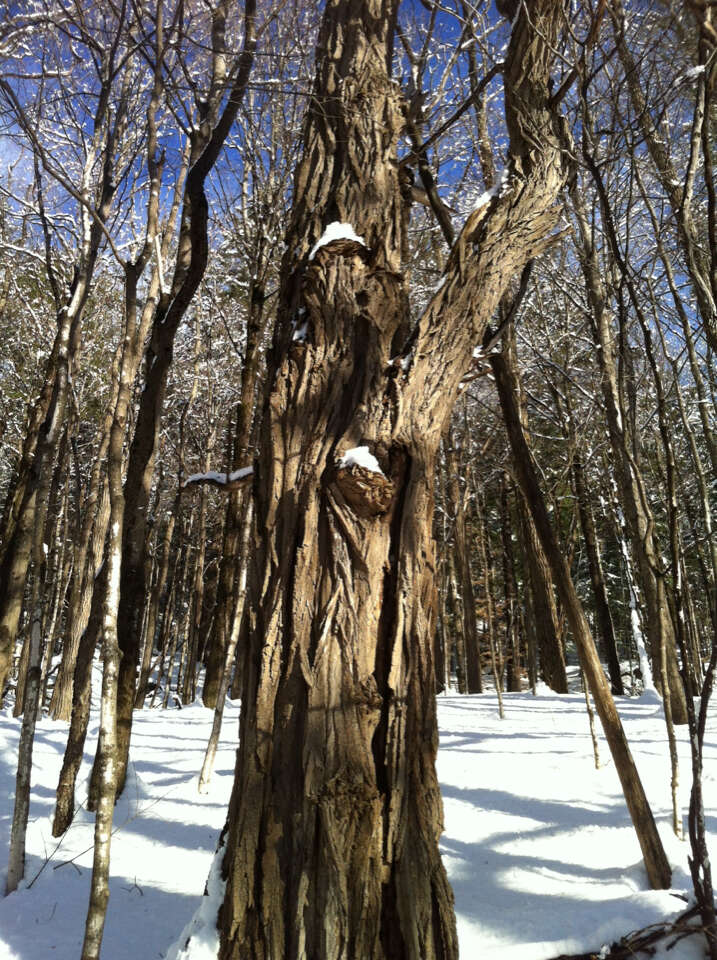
(537, 843)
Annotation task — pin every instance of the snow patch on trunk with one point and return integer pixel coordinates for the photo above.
(495, 191)
(336, 231)
(361, 457)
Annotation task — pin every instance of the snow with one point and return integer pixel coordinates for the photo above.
(495, 191)
(202, 928)
(537, 843)
(336, 231)
(241, 473)
(360, 457)
(218, 477)
(209, 475)
(164, 837)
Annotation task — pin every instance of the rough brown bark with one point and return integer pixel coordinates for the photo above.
(332, 840)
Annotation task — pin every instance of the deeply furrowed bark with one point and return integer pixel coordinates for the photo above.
(332, 840)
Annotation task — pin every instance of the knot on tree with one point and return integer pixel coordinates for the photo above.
(340, 247)
(368, 694)
(369, 493)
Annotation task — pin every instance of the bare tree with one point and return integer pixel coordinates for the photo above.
(331, 840)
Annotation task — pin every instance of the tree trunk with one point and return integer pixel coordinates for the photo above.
(189, 686)
(486, 560)
(230, 656)
(455, 621)
(16, 857)
(513, 671)
(332, 839)
(84, 571)
(207, 141)
(656, 865)
(546, 623)
(81, 702)
(597, 580)
(47, 418)
(234, 562)
(153, 607)
(463, 565)
(633, 494)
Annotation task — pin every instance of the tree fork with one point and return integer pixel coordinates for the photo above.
(332, 839)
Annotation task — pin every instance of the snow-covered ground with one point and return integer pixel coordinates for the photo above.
(537, 843)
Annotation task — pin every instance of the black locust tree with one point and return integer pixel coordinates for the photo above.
(331, 846)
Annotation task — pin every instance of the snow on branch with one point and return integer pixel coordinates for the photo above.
(231, 481)
(499, 189)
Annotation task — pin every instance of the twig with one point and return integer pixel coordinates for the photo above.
(633, 944)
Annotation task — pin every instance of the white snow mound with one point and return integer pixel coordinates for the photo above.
(336, 231)
(360, 457)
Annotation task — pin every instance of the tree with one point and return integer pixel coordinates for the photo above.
(332, 834)
(84, 155)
